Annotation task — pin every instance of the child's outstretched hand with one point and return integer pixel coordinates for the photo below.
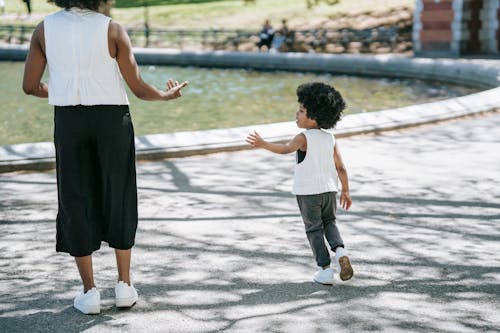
(345, 200)
(255, 140)
(174, 89)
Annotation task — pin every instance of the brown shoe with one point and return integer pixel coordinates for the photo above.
(346, 271)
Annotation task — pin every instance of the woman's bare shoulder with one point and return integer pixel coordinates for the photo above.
(115, 29)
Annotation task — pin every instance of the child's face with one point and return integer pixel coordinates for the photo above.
(302, 120)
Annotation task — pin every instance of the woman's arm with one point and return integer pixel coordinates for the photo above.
(120, 48)
(298, 142)
(35, 65)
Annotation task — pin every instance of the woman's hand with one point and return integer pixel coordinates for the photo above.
(173, 90)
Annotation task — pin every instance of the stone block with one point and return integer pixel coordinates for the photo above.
(436, 35)
(437, 16)
(334, 48)
(433, 5)
(247, 47)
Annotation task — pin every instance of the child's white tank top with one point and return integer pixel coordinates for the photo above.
(80, 68)
(316, 173)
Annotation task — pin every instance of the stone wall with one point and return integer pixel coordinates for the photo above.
(367, 32)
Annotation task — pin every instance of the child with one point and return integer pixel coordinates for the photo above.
(319, 166)
(87, 55)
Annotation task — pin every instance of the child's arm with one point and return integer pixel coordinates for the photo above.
(298, 142)
(121, 49)
(345, 197)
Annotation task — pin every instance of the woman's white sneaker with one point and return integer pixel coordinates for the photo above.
(125, 295)
(89, 302)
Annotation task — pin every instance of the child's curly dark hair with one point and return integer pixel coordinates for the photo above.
(323, 103)
(85, 4)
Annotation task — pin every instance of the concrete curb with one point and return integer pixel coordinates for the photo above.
(484, 74)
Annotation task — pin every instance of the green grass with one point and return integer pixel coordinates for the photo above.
(14, 8)
(204, 14)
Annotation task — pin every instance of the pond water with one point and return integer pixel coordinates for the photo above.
(215, 98)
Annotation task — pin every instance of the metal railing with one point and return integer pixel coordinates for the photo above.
(223, 39)
(12, 34)
(205, 39)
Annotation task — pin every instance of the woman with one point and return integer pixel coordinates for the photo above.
(94, 139)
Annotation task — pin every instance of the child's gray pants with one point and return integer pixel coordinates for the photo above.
(318, 213)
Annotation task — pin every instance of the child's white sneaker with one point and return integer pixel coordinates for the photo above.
(343, 264)
(89, 302)
(324, 276)
(125, 295)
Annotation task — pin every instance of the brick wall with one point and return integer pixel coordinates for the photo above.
(472, 18)
(488, 35)
(436, 34)
(455, 27)
(498, 30)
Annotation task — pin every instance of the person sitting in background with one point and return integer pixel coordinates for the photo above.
(266, 36)
(281, 36)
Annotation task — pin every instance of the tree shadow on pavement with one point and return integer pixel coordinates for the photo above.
(221, 247)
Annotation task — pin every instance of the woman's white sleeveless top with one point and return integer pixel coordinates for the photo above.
(316, 173)
(80, 68)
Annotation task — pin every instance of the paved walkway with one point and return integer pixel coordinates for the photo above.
(220, 245)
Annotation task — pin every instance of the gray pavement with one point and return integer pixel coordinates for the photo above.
(221, 247)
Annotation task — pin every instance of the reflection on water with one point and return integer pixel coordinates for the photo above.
(215, 98)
